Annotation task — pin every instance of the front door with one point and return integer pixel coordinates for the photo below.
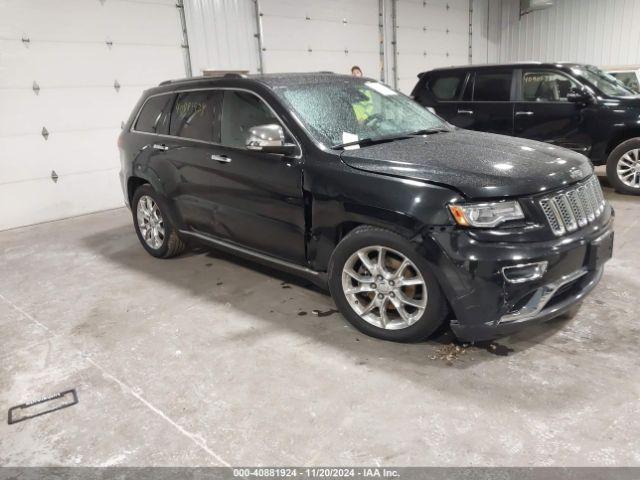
(258, 196)
(543, 112)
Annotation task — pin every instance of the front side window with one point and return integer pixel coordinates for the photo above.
(241, 111)
(196, 115)
(346, 110)
(492, 87)
(602, 81)
(153, 116)
(447, 87)
(628, 79)
(546, 87)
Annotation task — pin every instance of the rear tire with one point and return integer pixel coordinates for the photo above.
(398, 298)
(156, 233)
(623, 167)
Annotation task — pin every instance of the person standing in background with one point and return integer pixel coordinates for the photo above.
(356, 71)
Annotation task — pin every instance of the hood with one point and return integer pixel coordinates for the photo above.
(480, 165)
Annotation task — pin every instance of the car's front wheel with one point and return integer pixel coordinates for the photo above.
(155, 231)
(623, 167)
(384, 287)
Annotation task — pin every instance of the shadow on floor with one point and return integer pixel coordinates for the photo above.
(120, 246)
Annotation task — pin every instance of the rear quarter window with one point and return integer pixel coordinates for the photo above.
(153, 117)
(447, 86)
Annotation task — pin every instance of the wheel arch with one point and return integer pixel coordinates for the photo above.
(620, 137)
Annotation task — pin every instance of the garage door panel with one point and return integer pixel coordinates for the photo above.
(64, 109)
(77, 102)
(317, 35)
(413, 41)
(23, 158)
(42, 200)
(86, 64)
(279, 61)
(353, 11)
(430, 34)
(32, 157)
(91, 21)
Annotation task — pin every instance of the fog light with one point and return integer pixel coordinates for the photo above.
(525, 272)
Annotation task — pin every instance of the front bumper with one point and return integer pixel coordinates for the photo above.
(486, 305)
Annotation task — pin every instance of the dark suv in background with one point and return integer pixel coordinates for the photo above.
(407, 220)
(575, 106)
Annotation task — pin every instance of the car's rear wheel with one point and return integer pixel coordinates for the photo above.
(384, 287)
(155, 231)
(623, 167)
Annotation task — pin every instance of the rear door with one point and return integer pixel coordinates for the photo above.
(487, 101)
(194, 130)
(543, 112)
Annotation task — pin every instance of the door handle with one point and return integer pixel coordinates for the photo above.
(221, 158)
(528, 114)
(158, 146)
(465, 112)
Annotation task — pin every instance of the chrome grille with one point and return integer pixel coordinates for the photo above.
(575, 207)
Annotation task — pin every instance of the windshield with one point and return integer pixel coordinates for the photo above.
(603, 81)
(345, 110)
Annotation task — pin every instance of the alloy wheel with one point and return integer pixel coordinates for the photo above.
(384, 287)
(628, 168)
(150, 222)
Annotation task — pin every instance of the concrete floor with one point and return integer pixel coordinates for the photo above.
(207, 360)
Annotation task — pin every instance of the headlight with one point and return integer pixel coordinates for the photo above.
(486, 214)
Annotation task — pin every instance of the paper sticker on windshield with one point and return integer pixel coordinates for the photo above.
(380, 88)
(350, 137)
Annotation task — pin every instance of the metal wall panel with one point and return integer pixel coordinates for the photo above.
(430, 34)
(600, 32)
(76, 51)
(308, 35)
(222, 35)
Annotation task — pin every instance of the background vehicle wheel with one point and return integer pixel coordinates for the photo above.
(155, 231)
(623, 167)
(384, 287)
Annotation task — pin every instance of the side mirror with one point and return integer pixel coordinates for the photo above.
(579, 95)
(269, 139)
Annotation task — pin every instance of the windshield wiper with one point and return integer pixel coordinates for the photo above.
(428, 131)
(363, 142)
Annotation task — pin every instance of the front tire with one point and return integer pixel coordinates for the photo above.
(623, 167)
(384, 288)
(153, 226)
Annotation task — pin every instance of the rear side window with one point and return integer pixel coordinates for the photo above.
(492, 87)
(546, 87)
(447, 87)
(241, 111)
(153, 117)
(196, 115)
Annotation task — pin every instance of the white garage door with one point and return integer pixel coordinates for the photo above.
(89, 61)
(309, 35)
(430, 34)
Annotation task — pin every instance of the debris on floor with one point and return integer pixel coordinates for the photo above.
(450, 352)
(326, 313)
(454, 350)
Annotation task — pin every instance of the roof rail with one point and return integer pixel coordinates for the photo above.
(225, 73)
(180, 80)
(208, 74)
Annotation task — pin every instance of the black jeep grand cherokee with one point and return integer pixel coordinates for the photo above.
(406, 219)
(566, 104)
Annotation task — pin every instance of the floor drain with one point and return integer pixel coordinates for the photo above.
(42, 406)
